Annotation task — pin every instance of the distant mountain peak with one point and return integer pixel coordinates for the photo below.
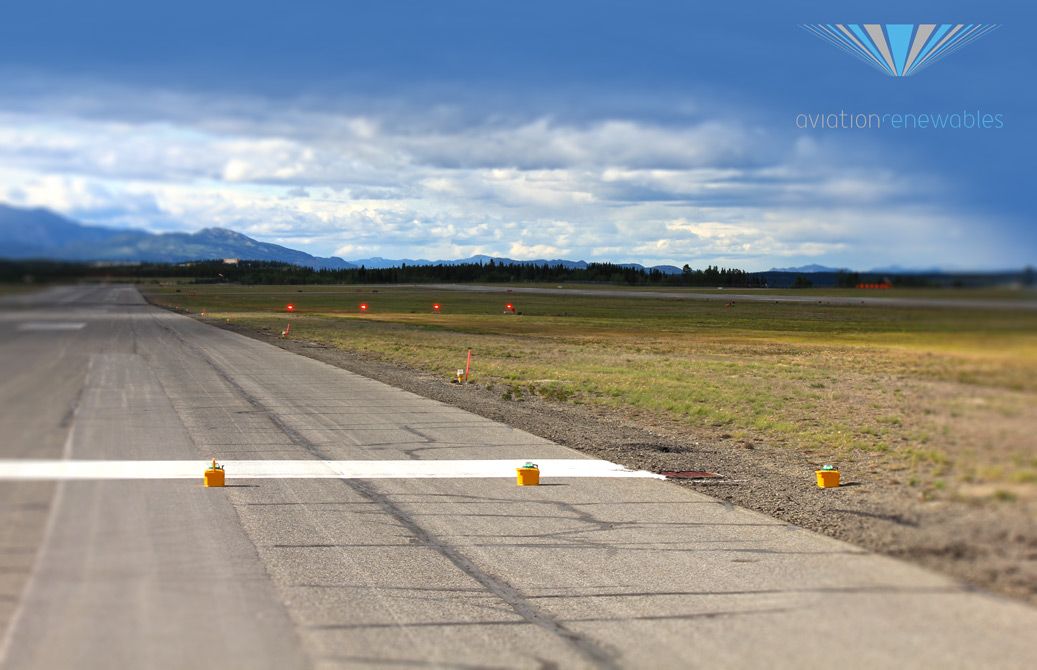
(40, 233)
(813, 267)
(222, 234)
(217, 230)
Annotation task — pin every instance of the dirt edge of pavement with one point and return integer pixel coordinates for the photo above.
(984, 544)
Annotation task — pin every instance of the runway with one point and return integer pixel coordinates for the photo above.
(348, 569)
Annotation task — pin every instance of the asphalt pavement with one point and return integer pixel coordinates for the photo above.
(414, 571)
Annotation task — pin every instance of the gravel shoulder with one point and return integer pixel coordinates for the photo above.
(991, 545)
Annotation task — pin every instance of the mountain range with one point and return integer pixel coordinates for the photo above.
(890, 269)
(42, 234)
(808, 268)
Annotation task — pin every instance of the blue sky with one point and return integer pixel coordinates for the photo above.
(658, 132)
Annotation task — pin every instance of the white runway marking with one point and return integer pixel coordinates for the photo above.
(35, 326)
(273, 469)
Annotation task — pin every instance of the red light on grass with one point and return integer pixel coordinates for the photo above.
(509, 308)
(435, 307)
(290, 307)
(363, 307)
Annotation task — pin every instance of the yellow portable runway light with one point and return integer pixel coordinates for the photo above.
(528, 475)
(214, 475)
(827, 477)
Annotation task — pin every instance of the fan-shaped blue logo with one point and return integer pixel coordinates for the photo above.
(900, 49)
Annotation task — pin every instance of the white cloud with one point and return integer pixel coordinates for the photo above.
(423, 184)
(521, 250)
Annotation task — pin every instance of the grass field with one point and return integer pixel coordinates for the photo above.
(11, 289)
(988, 293)
(943, 399)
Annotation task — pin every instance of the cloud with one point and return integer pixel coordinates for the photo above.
(395, 180)
(521, 250)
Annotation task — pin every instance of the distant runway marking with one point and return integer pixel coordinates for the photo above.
(274, 469)
(36, 326)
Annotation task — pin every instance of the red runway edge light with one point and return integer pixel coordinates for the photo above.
(290, 307)
(363, 307)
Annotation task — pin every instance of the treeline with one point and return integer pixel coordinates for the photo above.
(265, 272)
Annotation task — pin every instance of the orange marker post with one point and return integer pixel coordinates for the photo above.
(468, 366)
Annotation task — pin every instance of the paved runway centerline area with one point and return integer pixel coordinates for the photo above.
(441, 469)
(336, 567)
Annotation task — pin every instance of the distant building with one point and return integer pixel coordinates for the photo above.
(230, 261)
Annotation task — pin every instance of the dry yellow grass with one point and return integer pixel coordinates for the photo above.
(944, 397)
